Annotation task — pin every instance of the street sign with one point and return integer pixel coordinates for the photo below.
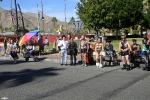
(78, 25)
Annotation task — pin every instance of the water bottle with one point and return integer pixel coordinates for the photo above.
(143, 47)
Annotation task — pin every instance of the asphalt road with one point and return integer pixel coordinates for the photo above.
(49, 81)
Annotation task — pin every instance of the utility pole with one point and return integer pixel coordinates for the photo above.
(42, 16)
(65, 14)
(22, 19)
(16, 17)
(1, 24)
(65, 9)
(38, 20)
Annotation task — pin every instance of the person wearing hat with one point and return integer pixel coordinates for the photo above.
(109, 50)
(135, 49)
(124, 48)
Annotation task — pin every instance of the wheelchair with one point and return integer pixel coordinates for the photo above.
(141, 58)
(110, 58)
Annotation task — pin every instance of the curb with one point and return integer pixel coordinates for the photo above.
(55, 60)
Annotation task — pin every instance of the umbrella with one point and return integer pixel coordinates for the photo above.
(28, 36)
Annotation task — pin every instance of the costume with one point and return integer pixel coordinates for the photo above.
(73, 52)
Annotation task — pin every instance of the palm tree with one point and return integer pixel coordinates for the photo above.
(54, 19)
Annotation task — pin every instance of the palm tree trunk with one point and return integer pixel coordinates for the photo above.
(54, 23)
(131, 30)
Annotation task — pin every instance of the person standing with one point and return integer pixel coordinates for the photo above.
(73, 51)
(99, 48)
(124, 49)
(5, 45)
(58, 39)
(18, 47)
(63, 47)
(41, 46)
(88, 52)
(83, 49)
(145, 49)
(46, 43)
(13, 51)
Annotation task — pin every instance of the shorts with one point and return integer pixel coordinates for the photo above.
(98, 51)
(5, 47)
(83, 50)
(47, 44)
(41, 48)
(124, 53)
(13, 54)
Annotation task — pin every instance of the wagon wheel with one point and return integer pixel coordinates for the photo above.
(26, 59)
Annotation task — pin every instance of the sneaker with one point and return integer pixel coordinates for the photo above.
(100, 65)
(97, 65)
(14, 62)
(82, 65)
(85, 65)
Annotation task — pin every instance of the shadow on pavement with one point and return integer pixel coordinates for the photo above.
(12, 79)
(42, 58)
(10, 62)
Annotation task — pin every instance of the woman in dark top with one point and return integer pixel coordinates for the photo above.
(124, 49)
(18, 47)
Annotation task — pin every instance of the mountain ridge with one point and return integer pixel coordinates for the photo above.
(30, 20)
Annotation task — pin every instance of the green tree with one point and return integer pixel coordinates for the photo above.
(124, 13)
(145, 5)
(115, 15)
(93, 12)
(146, 21)
(54, 19)
(72, 19)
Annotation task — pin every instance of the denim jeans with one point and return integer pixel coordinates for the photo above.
(108, 53)
(63, 56)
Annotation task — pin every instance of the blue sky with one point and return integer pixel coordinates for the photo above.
(53, 8)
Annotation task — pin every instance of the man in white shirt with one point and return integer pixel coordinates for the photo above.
(63, 47)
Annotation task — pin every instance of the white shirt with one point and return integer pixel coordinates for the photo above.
(46, 41)
(30, 47)
(13, 47)
(63, 44)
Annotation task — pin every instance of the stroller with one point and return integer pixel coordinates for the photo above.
(28, 53)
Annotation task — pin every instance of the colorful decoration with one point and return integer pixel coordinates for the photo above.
(28, 36)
